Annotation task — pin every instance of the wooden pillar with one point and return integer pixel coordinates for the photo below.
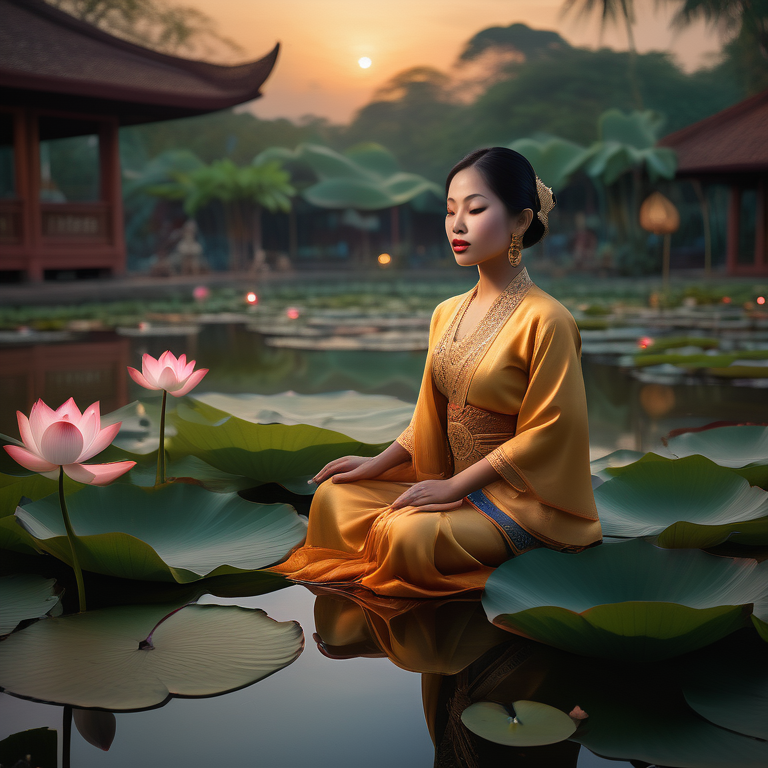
(734, 214)
(111, 189)
(33, 219)
(761, 223)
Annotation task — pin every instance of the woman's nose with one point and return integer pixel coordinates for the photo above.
(458, 226)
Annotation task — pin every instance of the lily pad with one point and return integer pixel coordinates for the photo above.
(533, 724)
(731, 689)
(739, 446)
(177, 532)
(366, 418)
(138, 657)
(626, 601)
(602, 467)
(688, 502)
(24, 596)
(265, 453)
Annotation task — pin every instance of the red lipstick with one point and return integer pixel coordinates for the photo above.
(459, 246)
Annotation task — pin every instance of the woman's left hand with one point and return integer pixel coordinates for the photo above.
(430, 496)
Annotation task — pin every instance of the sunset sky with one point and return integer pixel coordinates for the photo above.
(322, 40)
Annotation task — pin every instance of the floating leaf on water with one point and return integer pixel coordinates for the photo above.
(138, 657)
(265, 453)
(178, 532)
(730, 689)
(603, 466)
(689, 502)
(534, 724)
(367, 418)
(626, 601)
(739, 446)
(24, 596)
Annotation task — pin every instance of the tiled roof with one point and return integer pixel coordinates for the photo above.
(44, 50)
(732, 141)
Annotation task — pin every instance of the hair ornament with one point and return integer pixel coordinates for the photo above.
(547, 201)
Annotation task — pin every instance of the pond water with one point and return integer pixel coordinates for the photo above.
(375, 703)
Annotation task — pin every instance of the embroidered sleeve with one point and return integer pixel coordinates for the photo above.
(406, 439)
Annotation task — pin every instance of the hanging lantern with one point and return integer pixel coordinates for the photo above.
(659, 215)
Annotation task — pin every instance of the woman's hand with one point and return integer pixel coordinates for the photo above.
(348, 468)
(431, 496)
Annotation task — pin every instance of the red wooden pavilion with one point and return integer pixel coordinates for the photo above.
(61, 77)
(731, 148)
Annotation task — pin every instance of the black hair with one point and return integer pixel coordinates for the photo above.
(512, 179)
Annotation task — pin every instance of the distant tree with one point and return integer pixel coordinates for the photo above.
(155, 24)
(243, 192)
(744, 23)
(612, 12)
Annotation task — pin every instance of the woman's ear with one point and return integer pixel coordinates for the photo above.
(524, 220)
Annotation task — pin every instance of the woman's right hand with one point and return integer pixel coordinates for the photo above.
(347, 469)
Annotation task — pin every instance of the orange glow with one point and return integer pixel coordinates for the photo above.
(292, 313)
(645, 342)
(251, 298)
(384, 259)
(726, 299)
(761, 299)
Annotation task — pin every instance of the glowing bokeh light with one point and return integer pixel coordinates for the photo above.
(384, 259)
(761, 299)
(645, 342)
(364, 62)
(292, 313)
(251, 298)
(726, 299)
(201, 293)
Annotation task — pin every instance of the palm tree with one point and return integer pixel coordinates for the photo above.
(244, 193)
(734, 17)
(612, 12)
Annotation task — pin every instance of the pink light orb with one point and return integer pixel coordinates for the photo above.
(292, 313)
(251, 298)
(645, 342)
(201, 293)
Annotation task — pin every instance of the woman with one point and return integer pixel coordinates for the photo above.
(495, 461)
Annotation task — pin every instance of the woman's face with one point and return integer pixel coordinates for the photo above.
(477, 223)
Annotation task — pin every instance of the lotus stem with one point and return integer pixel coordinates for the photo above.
(71, 536)
(160, 477)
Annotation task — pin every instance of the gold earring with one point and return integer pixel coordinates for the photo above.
(515, 254)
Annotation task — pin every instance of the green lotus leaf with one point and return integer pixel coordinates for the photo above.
(730, 689)
(603, 466)
(138, 657)
(176, 532)
(13, 489)
(626, 601)
(675, 342)
(14, 538)
(24, 596)
(736, 371)
(737, 447)
(40, 742)
(645, 719)
(189, 469)
(689, 502)
(265, 453)
(367, 418)
(534, 723)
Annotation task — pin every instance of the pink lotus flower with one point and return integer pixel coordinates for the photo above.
(65, 438)
(177, 377)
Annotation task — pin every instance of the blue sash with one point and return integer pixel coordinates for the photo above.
(517, 539)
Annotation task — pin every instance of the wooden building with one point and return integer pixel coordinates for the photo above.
(731, 148)
(59, 78)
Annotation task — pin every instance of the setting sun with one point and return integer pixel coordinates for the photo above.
(364, 62)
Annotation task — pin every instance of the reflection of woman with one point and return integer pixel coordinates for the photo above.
(496, 459)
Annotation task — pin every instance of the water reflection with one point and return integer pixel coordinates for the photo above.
(665, 713)
(623, 412)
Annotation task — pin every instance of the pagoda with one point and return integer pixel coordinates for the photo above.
(59, 78)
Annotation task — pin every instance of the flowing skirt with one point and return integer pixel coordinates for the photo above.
(354, 537)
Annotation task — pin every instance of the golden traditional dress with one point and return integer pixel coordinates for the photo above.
(510, 391)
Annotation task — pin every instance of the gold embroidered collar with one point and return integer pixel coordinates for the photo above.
(454, 362)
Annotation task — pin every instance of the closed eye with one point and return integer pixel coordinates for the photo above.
(477, 210)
